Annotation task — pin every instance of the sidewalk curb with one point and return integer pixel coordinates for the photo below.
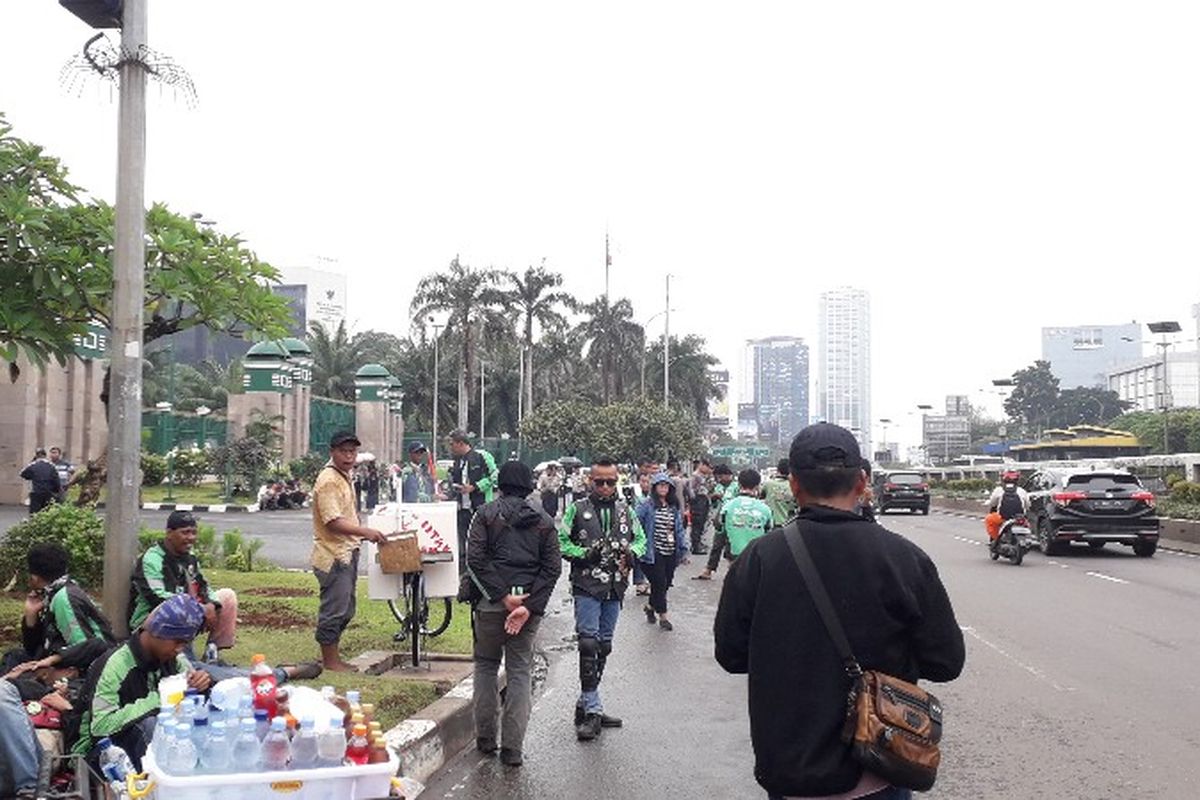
(215, 508)
(434, 735)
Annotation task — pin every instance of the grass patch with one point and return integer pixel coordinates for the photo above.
(278, 612)
(203, 494)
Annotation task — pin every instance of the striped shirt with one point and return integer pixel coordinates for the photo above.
(664, 529)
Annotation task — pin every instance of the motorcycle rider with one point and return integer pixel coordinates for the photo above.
(1008, 501)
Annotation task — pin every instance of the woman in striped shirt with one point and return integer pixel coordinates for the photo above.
(661, 516)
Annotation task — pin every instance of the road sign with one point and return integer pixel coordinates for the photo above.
(742, 453)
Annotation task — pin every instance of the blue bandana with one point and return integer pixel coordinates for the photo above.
(177, 619)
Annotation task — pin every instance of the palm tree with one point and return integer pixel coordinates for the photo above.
(414, 369)
(336, 357)
(612, 342)
(533, 296)
(559, 373)
(469, 299)
(691, 382)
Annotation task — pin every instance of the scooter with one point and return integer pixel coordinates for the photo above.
(1015, 538)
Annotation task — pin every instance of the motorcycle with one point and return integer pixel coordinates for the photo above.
(1015, 538)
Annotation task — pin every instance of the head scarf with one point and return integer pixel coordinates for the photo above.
(178, 619)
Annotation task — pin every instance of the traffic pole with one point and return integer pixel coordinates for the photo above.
(129, 263)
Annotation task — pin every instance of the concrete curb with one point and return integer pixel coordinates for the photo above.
(215, 508)
(427, 740)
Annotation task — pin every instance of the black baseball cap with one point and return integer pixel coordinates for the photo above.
(342, 437)
(181, 519)
(416, 447)
(824, 445)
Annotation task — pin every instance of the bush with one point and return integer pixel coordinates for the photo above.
(970, 485)
(1186, 492)
(154, 469)
(79, 530)
(190, 467)
(305, 469)
(1172, 478)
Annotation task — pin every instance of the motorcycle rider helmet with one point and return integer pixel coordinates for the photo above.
(1010, 476)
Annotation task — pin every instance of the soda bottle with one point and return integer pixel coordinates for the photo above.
(115, 766)
(247, 748)
(276, 750)
(262, 723)
(368, 712)
(331, 743)
(358, 749)
(262, 685)
(183, 753)
(217, 755)
(304, 745)
(379, 751)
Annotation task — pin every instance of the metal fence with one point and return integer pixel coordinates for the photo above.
(326, 417)
(163, 431)
(501, 449)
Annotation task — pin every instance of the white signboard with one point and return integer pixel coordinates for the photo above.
(436, 525)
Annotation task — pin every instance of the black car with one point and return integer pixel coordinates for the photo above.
(1093, 506)
(901, 490)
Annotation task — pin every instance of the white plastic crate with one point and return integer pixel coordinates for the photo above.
(326, 783)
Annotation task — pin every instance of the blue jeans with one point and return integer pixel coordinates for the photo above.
(219, 673)
(890, 793)
(20, 753)
(597, 619)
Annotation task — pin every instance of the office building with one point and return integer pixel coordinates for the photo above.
(1085, 355)
(775, 378)
(945, 437)
(315, 295)
(718, 409)
(844, 382)
(1141, 382)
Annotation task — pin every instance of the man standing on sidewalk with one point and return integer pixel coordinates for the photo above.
(777, 494)
(472, 477)
(514, 561)
(416, 481)
(600, 537)
(699, 487)
(337, 536)
(44, 486)
(65, 470)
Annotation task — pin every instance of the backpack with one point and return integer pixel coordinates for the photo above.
(1010, 503)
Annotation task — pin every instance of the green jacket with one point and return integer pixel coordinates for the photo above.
(594, 537)
(780, 500)
(157, 576)
(68, 622)
(477, 468)
(745, 518)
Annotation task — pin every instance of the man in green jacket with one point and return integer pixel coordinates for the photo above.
(600, 537)
(120, 697)
(472, 483)
(777, 493)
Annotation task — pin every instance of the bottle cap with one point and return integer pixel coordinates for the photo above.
(353, 696)
(278, 724)
(260, 714)
(368, 709)
(257, 658)
(200, 722)
(248, 725)
(308, 722)
(360, 730)
(358, 719)
(105, 743)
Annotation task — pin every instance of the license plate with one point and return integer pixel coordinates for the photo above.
(1021, 530)
(1109, 503)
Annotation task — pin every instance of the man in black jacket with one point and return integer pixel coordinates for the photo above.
(472, 476)
(891, 602)
(513, 559)
(44, 486)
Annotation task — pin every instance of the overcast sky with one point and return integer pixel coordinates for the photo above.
(982, 169)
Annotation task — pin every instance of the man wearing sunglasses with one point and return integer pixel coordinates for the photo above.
(601, 538)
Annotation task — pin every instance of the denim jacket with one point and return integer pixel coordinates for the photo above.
(645, 515)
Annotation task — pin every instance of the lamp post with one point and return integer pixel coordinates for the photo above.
(433, 444)
(1165, 328)
(667, 348)
(482, 399)
(885, 422)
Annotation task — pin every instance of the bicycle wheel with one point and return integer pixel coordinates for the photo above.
(402, 610)
(416, 598)
(436, 612)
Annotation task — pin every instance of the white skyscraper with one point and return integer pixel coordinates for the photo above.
(844, 362)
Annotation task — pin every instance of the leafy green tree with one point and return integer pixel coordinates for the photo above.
(1182, 424)
(1086, 405)
(612, 344)
(624, 430)
(534, 297)
(561, 372)
(471, 302)
(1034, 395)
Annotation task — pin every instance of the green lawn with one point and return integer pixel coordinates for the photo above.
(203, 494)
(278, 611)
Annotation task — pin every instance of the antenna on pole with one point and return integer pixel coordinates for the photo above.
(607, 264)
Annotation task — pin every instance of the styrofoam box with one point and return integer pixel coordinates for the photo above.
(325, 783)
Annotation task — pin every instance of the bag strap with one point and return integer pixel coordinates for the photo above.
(820, 597)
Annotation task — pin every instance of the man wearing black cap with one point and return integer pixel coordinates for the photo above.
(513, 562)
(472, 477)
(890, 601)
(416, 482)
(337, 536)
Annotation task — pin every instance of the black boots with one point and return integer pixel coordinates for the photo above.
(588, 727)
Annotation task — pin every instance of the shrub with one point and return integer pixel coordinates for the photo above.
(190, 466)
(969, 485)
(79, 530)
(1172, 478)
(154, 469)
(1186, 492)
(305, 469)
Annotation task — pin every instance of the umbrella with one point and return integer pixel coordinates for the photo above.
(364, 457)
(544, 465)
(570, 462)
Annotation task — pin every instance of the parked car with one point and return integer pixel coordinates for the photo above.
(901, 490)
(1096, 507)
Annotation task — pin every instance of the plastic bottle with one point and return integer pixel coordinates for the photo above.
(247, 748)
(262, 723)
(200, 734)
(162, 729)
(262, 685)
(331, 743)
(327, 694)
(358, 749)
(368, 712)
(374, 729)
(217, 756)
(183, 754)
(245, 707)
(186, 712)
(276, 750)
(305, 745)
(115, 766)
(379, 752)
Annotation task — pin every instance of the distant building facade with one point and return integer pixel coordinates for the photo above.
(1141, 382)
(775, 379)
(1084, 355)
(947, 436)
(844, 393)
(315, 295)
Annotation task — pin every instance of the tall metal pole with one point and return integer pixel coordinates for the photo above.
(482, 396)
(125, 378)
(1164, 344)
(667, 348)
(434, 444)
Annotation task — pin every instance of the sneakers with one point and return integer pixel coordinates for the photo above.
(485, 745)
(511, 758)
(605, 720)
(589, 728)
(666, 625)
(649, 613)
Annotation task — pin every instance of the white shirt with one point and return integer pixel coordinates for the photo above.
(998, 492)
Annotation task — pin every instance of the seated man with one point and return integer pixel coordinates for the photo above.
(20, 753)
(61, 627)
(120, 695)
(169, 569)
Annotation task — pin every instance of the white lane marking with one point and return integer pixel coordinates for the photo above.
(968, 541)
(1034, 671)
(1184, 555)
(1058, 564)
(1102, 576)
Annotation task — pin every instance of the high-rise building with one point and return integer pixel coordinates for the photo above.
(946, 436)
(1084, 355)
(844, 382)
(775, 378)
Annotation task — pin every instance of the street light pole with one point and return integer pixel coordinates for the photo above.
(434, 444)
(129, 281)
(667, 349)
(1165, 328)
(482, 396)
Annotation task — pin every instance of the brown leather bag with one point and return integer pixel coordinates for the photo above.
(893, 727)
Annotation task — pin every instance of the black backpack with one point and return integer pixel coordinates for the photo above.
(1010, 503)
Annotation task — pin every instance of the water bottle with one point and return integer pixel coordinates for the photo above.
(262, 685)
(246, 748)
(115, 766)
(304, 746)
(162, 730)
(200, 733)
(183, 754)
(327, 694)
(245, 707)
(276, 750)
(187, 709)
(331, 743)
(216, 756)
(262, 723)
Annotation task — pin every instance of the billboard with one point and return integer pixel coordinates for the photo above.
(718, 410)
(324, 295)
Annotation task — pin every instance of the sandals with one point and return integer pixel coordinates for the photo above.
(702, 577)
(642, 589)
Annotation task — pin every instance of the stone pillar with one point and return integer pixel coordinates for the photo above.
(371, 383)
(301, 413)
(395, 408)
(267, 388)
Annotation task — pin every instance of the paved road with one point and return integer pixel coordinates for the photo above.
(287, 535)
(1081, 682)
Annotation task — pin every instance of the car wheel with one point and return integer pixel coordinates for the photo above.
(1145, 547)
(1097, 545)
(925, 510)
(1045, 537)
